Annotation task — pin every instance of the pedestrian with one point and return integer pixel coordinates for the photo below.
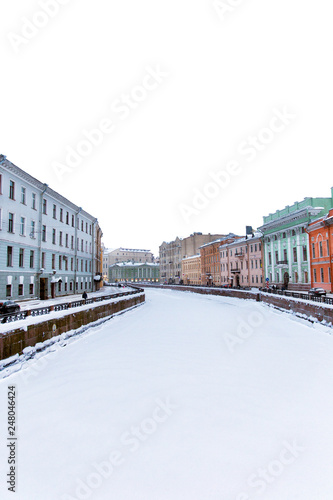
(84, 295)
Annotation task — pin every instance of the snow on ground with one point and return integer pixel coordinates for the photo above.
(37, 303)
(188, 397)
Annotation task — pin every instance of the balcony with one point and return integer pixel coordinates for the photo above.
(240, 254)
(235, 270)
(282, 263)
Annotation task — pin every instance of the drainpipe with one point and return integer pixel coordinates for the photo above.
(76, 250)
(40, 223)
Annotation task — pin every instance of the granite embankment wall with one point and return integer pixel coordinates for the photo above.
(307, 309)
(14, 341)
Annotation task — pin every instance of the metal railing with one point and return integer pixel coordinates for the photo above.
(8, 318)
(299, 295)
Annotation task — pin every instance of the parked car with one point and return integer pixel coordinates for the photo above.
(317, 291)
(9, 307)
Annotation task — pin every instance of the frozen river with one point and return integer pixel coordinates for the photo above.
(187, 397)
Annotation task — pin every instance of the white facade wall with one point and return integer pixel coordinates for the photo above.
(50, 240)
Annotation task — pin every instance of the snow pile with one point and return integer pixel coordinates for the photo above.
(190, 397)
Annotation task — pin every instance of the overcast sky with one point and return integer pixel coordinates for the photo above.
(210, 114)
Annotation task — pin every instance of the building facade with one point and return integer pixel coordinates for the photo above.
(286, 242)
(211, 260)
(191, 270)
(134, 272)
(242, 262)
(320, 234)
(171, 254)
(49, 246)
(129, 254)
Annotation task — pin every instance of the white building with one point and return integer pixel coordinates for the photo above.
(125, 254)
(48, 245)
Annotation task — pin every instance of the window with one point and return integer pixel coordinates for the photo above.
(21, 257)
(81, 225)
(72, 242)
(32, 259)
(10, 222)
(59, 286)
(295, 254)
(12, 190)
(276, 257)
(54, 234)
(81, 245)
(43, 260)
(54, 211)
(20, 289)
(33, 201)
(44, 207)
(327, 248)
(53, 261)
(305, 254)
(61, 215)
(9, 256)
(87, 227)
(60, 238)
(73, 221)
(31, 289)
(269, 258)
(32, 229)
(22, 226)
(313, 251)
(66, 240)
(284, 235)
(60, 262)
(23, 195)
(44, 233)
(8, 290)
(72, 264)
(67, 218)
(315, 275)
(322, 275)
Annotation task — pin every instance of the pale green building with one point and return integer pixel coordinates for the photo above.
(134, 272)
(286, 242)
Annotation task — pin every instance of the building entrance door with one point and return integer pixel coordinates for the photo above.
(286, 280)
(43, 289)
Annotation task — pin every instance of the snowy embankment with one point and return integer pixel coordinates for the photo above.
(189, 397)
(34, 320)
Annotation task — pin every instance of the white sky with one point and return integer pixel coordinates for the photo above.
(226, 75)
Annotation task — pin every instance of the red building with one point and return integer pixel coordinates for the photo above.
(211, 262)
(321, 251)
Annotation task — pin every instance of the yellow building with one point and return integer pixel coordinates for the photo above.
(191, 270)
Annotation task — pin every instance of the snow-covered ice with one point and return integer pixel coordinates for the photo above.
(187, 397)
